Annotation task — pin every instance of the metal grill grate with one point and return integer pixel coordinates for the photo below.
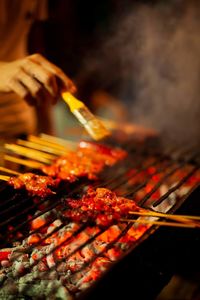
(152, 178)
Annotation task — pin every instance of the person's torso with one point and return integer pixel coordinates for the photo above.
(16, 18)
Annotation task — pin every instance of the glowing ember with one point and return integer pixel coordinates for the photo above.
(67, 258)
(61, 251)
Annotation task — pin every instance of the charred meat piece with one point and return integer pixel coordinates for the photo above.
(88, 161)
(104, 153)
(36, 185)
(100, 206)
(73, 166)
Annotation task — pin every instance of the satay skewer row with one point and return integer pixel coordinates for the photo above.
(103, 206)
(181, 220)
(88, 161)
(36, 185)
(189, 220)
(178, 218)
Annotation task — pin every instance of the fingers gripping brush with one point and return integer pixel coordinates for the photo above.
(94, 126)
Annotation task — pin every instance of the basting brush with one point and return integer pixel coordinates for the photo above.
(94, 126)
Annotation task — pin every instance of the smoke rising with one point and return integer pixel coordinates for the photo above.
(150, 59)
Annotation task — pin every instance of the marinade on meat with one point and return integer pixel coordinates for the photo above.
(100, 206)
(36, 185)
(87, 161)
(109, 155)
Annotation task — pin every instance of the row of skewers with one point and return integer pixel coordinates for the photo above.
(63, 160)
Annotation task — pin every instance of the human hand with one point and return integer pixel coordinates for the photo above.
(34, 79)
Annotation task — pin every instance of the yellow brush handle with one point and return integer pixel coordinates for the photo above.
(93, 126)
(73, 103)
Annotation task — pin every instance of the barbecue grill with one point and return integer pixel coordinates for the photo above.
(165, 180)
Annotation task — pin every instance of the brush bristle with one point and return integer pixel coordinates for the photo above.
(96, 129)
(94, 126)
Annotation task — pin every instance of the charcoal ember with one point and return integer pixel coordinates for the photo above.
(18, 262)
(41, 219)
(34, 238)
(54, 225)
(45, 289)
(65, 233)
(50, 260)
(75, 262)
(71, 282)
(9, 290)
(58, 255)
(37, 289)
(72, 287)
(5, 263)
(113, 254)
(5, 257)
(40, 253)
(63, 270)
(42, 266)
(2, 276)
(94, 272)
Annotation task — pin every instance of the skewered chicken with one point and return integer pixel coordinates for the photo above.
(41, 186)
(100, 206)
(88, 161)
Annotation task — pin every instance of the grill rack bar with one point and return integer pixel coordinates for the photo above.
(171, 190)
(86, 264)
(58, 200)
(180, 183)
(117, 184)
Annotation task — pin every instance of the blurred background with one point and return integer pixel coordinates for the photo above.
(133, 61)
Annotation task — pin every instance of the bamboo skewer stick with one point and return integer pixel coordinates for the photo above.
(178, 218)
(161, 223)
(9, 171)
(58, 141)
(44, 141)
(34, 154)
(4, 177)
(25, 162)
(40, 147)
(142, 214)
